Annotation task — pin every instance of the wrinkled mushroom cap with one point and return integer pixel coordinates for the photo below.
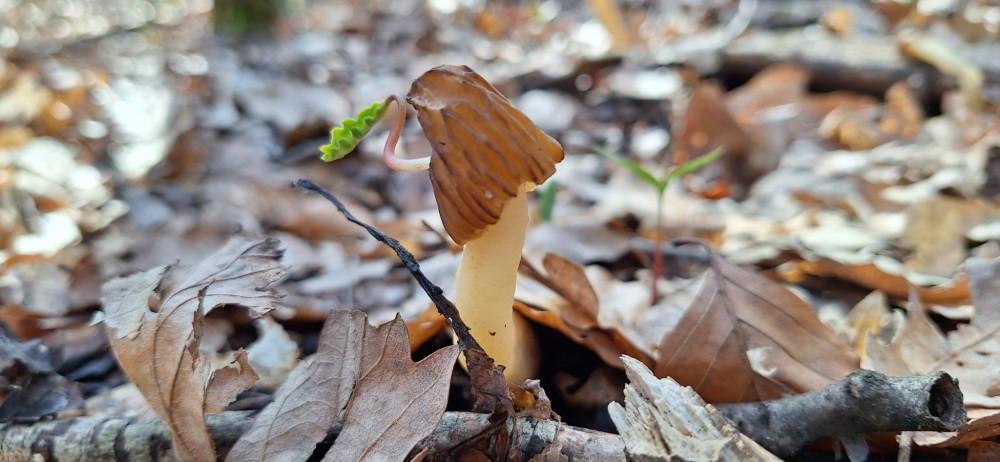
(484, 148)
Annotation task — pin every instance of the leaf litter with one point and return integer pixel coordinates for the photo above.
(833, 194)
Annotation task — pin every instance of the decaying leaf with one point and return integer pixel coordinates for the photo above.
(396, 402)
(159, 349)
(30, 387)
(362, 384)
(936, 232)
(460, 112)
(563, 299)
(969, 353)
(664, 421)
(319, 387)
(873, 276)
(747, 338)
(868, 316)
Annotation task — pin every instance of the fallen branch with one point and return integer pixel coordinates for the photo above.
(865, 402)
(116, 438)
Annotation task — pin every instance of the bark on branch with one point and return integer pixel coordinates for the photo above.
(865, 402)
(114, 438)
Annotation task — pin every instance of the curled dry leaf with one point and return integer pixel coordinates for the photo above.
(747, 338)
(872, 276)
(475, 132)
(571, 308)
(157, 346)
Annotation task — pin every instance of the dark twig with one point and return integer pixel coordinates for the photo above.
(865, 402)
(488, 383)
(444, 306)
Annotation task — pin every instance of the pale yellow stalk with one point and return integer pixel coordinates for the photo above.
(485, 292)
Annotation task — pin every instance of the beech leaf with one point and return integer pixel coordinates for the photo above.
(162, 356)
(747, 338)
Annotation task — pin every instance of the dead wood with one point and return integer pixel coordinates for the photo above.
(865, 402)
(868, 64)
(115, 438)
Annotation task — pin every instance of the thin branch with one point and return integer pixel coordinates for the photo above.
(865, 402)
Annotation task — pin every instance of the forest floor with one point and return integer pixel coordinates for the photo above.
(850, 223)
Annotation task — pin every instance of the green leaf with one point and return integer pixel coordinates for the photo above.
(634, 167)
(547, 200)
(345, 138)
(696, 164)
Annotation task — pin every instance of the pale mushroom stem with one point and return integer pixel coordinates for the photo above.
(389, 151)
(485, 292)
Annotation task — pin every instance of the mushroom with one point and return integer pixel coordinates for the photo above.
(486, 157)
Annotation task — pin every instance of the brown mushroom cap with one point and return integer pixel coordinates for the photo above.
(484, 148)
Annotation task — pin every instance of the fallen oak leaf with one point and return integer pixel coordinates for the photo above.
(353, 386)
(396, 402)
(159, 349)
(747, 338)
(319, 386)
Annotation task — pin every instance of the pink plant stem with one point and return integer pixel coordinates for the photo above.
(389, 151)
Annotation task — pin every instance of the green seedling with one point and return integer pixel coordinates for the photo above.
(547, 201)
(661, 187)
(345, 138)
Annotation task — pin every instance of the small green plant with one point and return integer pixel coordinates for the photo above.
(547, 201)
(344, 138)
(661, 186)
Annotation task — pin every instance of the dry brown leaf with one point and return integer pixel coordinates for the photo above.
(313, 398)
(983, 424)
(871, 276)
(924, 343)
(569, 279)
(708, 124)
(465, 117)
(936, 232)
(867, 317)
(397, 402)
(361, 369)
(605, 342)
(969, 353)
(157, 345)
(903, 115)
(916, 346)
(563, 298)
(747, 338)
(974, 348)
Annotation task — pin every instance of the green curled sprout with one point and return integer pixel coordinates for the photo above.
(345, 138)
